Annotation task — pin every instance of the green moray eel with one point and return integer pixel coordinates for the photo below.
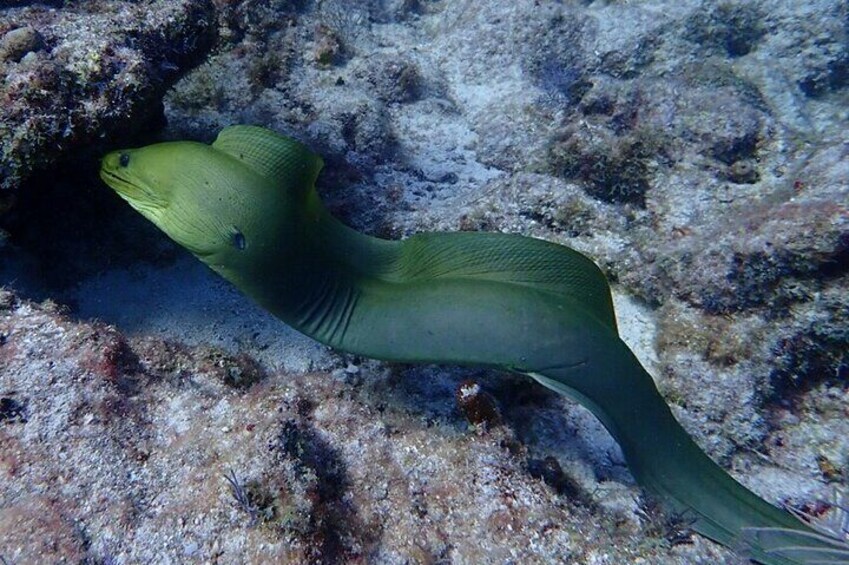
(247, 207)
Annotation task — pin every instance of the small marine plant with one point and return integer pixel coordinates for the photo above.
(240, 494)
(615, 169)
(666, 528)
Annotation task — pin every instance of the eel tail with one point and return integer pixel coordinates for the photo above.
(666, 461)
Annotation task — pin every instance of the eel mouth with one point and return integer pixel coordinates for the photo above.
(137, 195)
(149, 203)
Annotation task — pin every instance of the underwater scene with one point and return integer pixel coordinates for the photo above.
(424, 281)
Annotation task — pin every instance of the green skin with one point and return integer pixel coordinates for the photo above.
(247, 207)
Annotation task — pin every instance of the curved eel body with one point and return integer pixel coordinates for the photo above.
(247, 207)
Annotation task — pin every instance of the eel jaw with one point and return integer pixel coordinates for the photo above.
(144, 200)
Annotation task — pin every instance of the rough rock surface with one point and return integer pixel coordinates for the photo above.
(695, 149)
(128, 451)
(89, 71)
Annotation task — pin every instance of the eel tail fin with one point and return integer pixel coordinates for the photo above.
(827, 544)
(794, 546)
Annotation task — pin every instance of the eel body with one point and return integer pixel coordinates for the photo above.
(247, 207)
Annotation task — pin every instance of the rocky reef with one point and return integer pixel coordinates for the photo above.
(87, 73)
(694, 149)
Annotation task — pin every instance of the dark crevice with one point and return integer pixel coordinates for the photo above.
(838, 264)
(67, 225)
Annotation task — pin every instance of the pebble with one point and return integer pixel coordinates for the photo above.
(190, 549)
(16, 43)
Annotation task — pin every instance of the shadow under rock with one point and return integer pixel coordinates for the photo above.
(66, 225)
(544, 422)
(332, 530)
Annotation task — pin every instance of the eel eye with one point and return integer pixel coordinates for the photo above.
(124, 159)
(239, 241)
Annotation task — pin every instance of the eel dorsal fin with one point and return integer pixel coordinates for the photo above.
(511, 259)
(271, 155)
